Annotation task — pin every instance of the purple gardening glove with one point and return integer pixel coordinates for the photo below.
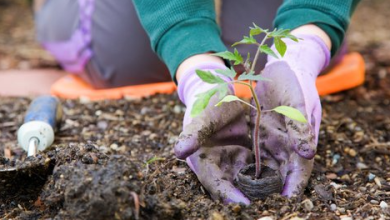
(215, 143)
(286, 144)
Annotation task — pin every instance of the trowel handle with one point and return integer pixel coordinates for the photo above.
(42, 118)
(45, 109)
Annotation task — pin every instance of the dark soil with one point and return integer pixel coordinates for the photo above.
(98, 169)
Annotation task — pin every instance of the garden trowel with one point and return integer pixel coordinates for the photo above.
(36, 134)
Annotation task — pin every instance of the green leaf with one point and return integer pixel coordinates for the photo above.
(208, 77)
(253, 77)
(280, 46)
(239, 59)
(248, 58)
(283, 33)
(227, 72)
(280, 33)
(247, 63)
(292, 37)
(202, 101)
(259, 28)
(246, 40)
(226, 55)
(222, 90)
(246, 76)
(254, 31)
(290, 112)
(265, 49)
(228, 98)
(236, 57)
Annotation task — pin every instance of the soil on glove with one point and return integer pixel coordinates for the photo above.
(115, 160)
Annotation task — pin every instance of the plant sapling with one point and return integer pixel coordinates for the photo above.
(247, 78)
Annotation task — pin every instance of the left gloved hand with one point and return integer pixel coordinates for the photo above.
(288, 145)
(215, 144)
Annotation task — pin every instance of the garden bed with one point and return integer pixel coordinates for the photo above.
(115, 160)
(100, 166)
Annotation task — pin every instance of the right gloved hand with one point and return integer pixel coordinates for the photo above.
(288, 145)
(215, 143)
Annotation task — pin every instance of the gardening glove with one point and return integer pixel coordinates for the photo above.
(214, 143)
(288, 145)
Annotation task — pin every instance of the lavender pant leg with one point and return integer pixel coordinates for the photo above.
(70, 45)
(121, 53)
(51, 25)
(122, 47)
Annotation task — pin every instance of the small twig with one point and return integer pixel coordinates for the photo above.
(180, 160)
(290, 216)
(383, 148)
(7, 124)
(7, 153)
(136, 204)
(6, 216)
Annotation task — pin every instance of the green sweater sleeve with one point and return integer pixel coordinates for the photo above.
(179, 29)
(332, 16)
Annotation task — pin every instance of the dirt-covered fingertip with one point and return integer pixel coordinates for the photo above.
(293, 185)
(306, 150)
(185, 147)
(236, 197)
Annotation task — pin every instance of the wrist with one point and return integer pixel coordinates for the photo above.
(190, 84)
(311, 29)
(310, 55)
(195, 61)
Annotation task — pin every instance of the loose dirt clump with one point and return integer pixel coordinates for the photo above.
(101, 191)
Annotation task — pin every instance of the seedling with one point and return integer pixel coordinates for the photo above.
(154, 159)
(247, 78)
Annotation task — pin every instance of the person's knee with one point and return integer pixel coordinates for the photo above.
(125, 71)
(121, 50)
(56, 20)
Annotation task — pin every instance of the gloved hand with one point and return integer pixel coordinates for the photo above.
(288, 145)
(215, 143)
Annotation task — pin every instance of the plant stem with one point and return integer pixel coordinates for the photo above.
(256, 133)
(256, 147)
(250, 87)
(258, 53)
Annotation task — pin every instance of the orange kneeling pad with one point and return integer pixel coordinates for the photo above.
(73, 87)
(347, 74)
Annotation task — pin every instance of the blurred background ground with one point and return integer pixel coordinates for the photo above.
(370, 24)
(18, 49)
